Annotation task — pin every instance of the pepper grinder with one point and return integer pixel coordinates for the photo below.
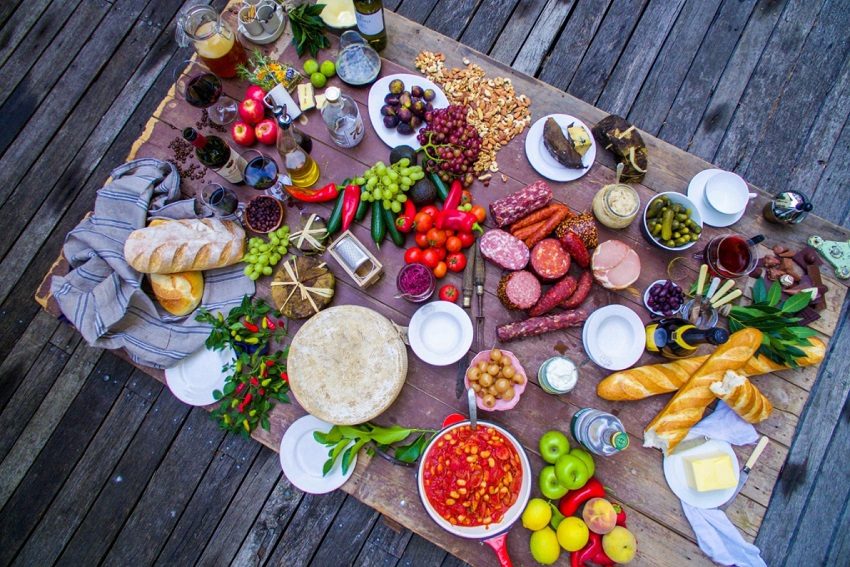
(788, 207)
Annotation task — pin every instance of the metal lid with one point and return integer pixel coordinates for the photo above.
(620, 440)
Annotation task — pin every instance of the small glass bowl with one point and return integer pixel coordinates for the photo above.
(425, 294)
(708, 315)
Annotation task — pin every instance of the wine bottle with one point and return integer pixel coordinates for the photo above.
(677, 338)
(370, 22)
(214, 153)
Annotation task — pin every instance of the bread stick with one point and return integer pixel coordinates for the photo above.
(742, 396)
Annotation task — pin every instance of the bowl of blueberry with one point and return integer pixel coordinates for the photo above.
(663, 298)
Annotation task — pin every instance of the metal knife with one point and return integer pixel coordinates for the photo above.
(745, 472)
(468, 288)
(689, 444)
(480, 276)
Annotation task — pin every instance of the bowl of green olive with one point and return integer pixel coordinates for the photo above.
(671, 221)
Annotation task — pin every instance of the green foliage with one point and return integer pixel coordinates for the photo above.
(345, 441)
(308, 29)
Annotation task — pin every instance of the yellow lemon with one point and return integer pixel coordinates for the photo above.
(544, 546)
(573, 533)
(536, 515)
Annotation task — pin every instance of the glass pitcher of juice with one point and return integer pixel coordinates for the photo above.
(214, 40)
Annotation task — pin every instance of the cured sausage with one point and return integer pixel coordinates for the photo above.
(547, 227)
(537, 216)
(585, 282)
(510, 209)
(539, 325)
(584, 225)
(518, 290)
(503, 249)
(556, 295)
(576, 249)
(549, 260)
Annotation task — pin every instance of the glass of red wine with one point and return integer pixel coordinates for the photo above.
(222, 201)
(204, 90)
(262, 174)
(731, 255)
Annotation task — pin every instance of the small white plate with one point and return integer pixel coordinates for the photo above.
(614, 337)
(542, 161)
(440, 333)
(302, 458)
(710, 215)
(676, 475)
(193, 379)
(380, 89)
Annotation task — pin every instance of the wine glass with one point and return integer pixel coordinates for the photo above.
(222, 201)
(204, 90)
(262, 174)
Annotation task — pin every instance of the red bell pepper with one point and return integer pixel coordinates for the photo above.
(592, 552)
(454, 196)
(573, 499)
(621, 514)
(404, 222)
(327, 193)
(350, 201)
(457, 220)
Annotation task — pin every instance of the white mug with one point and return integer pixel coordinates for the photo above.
(727, 193)
(279, 96)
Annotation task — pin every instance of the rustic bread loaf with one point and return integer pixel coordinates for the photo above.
(179, 294)
(184, 246)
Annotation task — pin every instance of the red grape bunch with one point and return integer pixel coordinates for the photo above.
(450, 144)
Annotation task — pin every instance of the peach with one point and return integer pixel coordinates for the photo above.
(599, 515)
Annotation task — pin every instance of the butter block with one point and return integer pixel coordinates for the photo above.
(305, 97)
(715, 472)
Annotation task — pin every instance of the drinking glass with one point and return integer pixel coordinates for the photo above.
(204, 90)
(262, 174)
(731, 255)
(222, 201)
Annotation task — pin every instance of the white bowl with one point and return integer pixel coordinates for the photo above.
(646, 298)
(679, 199)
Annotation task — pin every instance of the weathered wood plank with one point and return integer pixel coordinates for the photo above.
(516, 31)
(831, 193)
(307, 528)
(7, 9)
(420, 552)
(346, 536)
(416, 10)
(385, 545)
(545, 31)
(20, 22)
(450, 17)
(23, 354)
(486, 24)
(839, 547)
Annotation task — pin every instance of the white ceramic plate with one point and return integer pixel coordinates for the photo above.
(302, 458)
(380, 89)
(710, 216)
(674, 472)
(193, 379)
(542, 161)
(614, 337)
(440, 333)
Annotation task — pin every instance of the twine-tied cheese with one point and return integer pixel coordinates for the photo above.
(305, 290)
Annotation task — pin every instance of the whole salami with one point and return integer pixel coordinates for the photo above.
(585, 282)
(549, 260)
(510, 209)
(539, 325)
(503, 249)
(556, 295)
(576, 248)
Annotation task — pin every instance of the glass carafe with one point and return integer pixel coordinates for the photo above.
(214, 40)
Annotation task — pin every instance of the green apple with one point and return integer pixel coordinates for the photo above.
(571, 472)
(549, 485)
(586, 458)
(553, 444)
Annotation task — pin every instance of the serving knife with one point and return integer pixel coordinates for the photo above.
(468, 288)
(689, 444)
(745, 472)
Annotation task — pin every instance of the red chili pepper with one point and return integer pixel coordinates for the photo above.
(454, 196)
(457, 220)
(350, 201)
(240, 388)
(250, 326)
(327, 193)
(262, 391)
(591, 553)
(284, 376)
(270, 324)
(404, 222)
(573, 499)
(248, 398)
(254, 381)
(270, 363)
(621, 514)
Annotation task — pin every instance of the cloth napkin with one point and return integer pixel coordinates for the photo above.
(716, 535)
(102, 295)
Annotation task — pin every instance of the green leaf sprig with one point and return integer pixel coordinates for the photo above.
(308, 29)
(782, 337)
(345, 441)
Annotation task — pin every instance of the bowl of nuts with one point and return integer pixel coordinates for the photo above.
(264, 214)
(497, 378)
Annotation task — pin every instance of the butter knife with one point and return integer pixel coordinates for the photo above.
(689, 444)
(745, 472)
(468, 288)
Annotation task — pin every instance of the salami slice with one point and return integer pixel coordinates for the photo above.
(510, 209)
(576, 249)
(549, 260)
(504, 250)
(539, 325)
(518, 290)
(556, 295)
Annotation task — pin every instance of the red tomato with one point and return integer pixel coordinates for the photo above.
(479, 212)
(423, 221)
(466, 239)
(441, 251)
(453, 244)
(440, 270)
(421, 240)
(431, 258)
(465, 197)
(430, 210)
(412, 255)
(456, 261)
(449, 293)
(436, 237)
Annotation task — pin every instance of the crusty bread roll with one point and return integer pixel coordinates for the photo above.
(184, 246)
(742, 396)
(645, 381)
(179, 294)
(686, 408)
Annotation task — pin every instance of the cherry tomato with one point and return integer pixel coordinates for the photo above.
(430, 210)
(449, 293)
(441, 252)
(440, 270)
(466, 239)
(453, 244)
(436, 237)
(456, 261)
(412, 255)
(421, 240)
(479, 212)
(448, 232)
(431, 258)
(423, 222)
(465, 197)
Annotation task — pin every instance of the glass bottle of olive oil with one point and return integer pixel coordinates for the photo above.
(302, 169)
(370, 22)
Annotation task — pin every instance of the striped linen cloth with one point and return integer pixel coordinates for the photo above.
(102, 295)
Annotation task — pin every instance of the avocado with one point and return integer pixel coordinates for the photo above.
(400, 152)
(423, 192)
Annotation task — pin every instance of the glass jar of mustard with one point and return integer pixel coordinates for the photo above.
(616, 205)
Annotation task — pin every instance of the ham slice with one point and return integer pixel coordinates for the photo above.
(615, 265)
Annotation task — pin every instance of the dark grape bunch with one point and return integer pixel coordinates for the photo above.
(450, 144)
(665, 298)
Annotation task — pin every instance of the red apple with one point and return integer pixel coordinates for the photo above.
(266, 132)
(243, 134)
(251, 111)
(256, 93)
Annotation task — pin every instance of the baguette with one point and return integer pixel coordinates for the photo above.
(645, 381)
(686, 408)
(184, 246)
(742, 396)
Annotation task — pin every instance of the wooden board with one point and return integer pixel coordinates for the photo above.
(654, 513)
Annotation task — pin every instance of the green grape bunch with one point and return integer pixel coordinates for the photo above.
(263, 255)
(388, 184)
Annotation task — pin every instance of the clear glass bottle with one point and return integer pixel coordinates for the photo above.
(301, 168)
(370, 22)
(342, 117)
(599, 432)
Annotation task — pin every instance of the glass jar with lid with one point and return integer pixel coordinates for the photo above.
(616, 205)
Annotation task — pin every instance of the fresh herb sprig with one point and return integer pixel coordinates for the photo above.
(782, 337)
(345, 441)
(308, 29)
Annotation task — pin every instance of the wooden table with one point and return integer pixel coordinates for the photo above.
(634, 477)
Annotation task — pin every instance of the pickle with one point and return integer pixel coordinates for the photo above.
(667, 225)
(656, 229)
(670, 243)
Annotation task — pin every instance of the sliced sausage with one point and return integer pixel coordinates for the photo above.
(549, 260)
(518, 290)
(504, 250)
